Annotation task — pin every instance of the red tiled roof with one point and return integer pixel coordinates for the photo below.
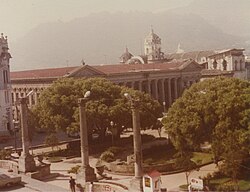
(41, 73)
(154, 173)
(125, 68)
(106, 69)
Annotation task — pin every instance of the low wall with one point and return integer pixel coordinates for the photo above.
(129, 169)
(10, 165)
(42, 172)
(104, 186)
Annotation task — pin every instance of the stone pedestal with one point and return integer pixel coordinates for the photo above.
(26, 163)
(136, 185)
(85, 175)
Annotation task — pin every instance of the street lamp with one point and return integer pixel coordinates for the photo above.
(15, 130)
(136, 182)
(86, 173)
(112, 131)
(164, 106)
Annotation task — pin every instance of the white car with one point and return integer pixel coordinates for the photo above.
(9, 179)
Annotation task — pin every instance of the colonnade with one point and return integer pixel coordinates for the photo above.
(22, 92)
(165, 90)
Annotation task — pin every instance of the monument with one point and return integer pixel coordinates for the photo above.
(26, 161)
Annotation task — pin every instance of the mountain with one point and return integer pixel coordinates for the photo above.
(231, 16)
(102, 37)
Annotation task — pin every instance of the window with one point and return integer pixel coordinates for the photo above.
(224, 65)
(215, 64)
(147, 182)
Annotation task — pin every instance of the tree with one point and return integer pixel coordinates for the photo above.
(217, 111)
(183, 161)
(57, 106)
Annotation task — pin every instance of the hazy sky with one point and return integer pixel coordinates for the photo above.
(19, 16)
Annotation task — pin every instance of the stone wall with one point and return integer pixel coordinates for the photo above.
(10, 165)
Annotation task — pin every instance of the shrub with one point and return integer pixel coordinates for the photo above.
(107, 156)
(4, 154)
(74, 169)
(115, 150)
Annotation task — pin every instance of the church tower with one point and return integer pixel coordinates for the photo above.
(6, 122)
(152, 47)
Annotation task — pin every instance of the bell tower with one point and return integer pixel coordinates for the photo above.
(6, 123)
(152, 47)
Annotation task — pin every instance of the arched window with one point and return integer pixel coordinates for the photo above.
(236, 65)
(215, 64)
(224, 65)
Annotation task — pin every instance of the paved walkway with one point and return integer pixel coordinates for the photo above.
(171, 182)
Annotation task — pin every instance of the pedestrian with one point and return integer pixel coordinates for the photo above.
(72, 184)
(190, 188)
(91, 187)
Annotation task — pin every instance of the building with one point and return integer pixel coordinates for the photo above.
(163, 81)
(230, 62)
(6, 122)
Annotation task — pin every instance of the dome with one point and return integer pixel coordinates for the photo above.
(152, 37)
(125, 56)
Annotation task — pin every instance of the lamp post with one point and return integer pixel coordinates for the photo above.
(15, 130)
(136, 182)
(86, 173)
(112, 131)
(164, 106)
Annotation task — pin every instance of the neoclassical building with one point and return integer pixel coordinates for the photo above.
(5, 88)
(163, 81)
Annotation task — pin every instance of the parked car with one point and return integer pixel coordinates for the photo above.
(9, 179)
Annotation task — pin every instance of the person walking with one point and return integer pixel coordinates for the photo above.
(72, 184)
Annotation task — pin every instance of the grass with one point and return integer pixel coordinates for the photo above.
(158, 155)
(162, 154)
(202, 158)
(244, 184)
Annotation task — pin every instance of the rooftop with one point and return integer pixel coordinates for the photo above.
(102, 69)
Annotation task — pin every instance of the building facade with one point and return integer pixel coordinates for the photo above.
(165, 82)
(231, 60)
(6, 123)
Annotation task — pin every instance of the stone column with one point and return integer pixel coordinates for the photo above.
(155, 91)
(136, 182)
(140, 85)
(163, 90)
(30, 100)
(14, 96)
(175, 88)
(169, 92)
(149, 87)
(86, 173)
(26, 161)
(36, 98)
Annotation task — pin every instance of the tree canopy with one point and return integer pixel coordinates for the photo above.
(57, 107)
(217, 111)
